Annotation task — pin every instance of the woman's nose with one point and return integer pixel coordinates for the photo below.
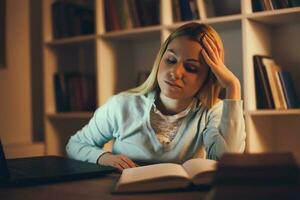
(178, 70)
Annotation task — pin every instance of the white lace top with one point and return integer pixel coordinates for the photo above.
(166, 126)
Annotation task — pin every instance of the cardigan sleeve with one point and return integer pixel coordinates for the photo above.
(225, 129)
(87, 144)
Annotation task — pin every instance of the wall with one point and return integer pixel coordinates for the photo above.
(15, 101)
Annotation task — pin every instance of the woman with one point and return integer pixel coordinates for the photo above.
(175, 113)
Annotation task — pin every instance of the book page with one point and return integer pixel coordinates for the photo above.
(202, 168)
(151, 172)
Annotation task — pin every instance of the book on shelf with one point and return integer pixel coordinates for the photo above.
(111, 19)
(229, 7)
(176, 11)
(188, 10)
(127, 14)
(72, 18)
(275, 85)
(164, 176)
(261, 5)
(148, 12)
(289, 89)
(74, 92)
(184, 10)
(264, 97)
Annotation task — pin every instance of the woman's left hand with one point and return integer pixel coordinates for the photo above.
(211, 54)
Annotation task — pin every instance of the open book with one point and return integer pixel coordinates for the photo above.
(167, 176)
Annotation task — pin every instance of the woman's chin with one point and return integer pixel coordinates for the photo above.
(172, 95)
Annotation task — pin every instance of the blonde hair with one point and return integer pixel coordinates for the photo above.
(209, 93)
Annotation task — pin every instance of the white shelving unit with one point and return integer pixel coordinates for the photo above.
(117, 57)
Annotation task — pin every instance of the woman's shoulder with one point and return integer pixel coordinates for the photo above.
(126, 99)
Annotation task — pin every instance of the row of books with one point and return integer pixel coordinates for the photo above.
(184, 10)
(127, 14)
(74, 92)
(261, 5)
(72, 18)
(274, 86)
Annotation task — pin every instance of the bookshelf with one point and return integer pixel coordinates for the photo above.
(117, 57)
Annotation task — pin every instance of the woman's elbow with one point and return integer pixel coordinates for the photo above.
(70, 149)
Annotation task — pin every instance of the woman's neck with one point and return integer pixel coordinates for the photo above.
(170, 106)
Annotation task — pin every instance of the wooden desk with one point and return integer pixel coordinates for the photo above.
(98, 188)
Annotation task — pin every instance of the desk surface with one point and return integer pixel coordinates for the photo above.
(98, 188)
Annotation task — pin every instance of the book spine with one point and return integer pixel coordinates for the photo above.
(193, 7)
(176, 11)
(271, 70)
(288, 89)
(134, 13)
(186, 10)
(263, 92)
(257, 6)
(61, 93)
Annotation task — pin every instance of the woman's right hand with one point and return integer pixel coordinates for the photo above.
(118, 161)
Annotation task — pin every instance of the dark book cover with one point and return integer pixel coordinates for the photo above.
(257, 5)
(75, 91)
(61, 93)
(264, 97)
(59, 20)
(186, 12)
(257, 169)
(134, 13)
(176, 11)
(148, 12)
(112, 21)
(289, 89)
(71, 19)
(294, 3)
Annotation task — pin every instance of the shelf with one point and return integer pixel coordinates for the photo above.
(72, 40)
(132, 34)
(219, 19)
(70, 115)
(223, 22)
(273, 112)
(274, 17)
(118, 57)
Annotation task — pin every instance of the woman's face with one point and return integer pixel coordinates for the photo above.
(182, 70)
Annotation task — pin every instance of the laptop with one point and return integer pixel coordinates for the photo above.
(46, 169)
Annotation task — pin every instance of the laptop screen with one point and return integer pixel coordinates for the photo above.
(4, 174)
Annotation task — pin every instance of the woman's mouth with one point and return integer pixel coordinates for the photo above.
(172, 84)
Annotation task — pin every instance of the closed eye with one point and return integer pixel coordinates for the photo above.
(190, 68)
(171, 60)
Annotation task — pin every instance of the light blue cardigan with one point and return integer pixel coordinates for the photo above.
(126, 119)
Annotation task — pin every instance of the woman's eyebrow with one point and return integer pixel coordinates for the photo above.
(189, 59)
(193, 60)
(172, 51)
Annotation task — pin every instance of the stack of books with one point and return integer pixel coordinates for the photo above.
(261, 5)
(72, 18)
(75, 92)
(184, 10)
(128, 14)
(274, 86)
